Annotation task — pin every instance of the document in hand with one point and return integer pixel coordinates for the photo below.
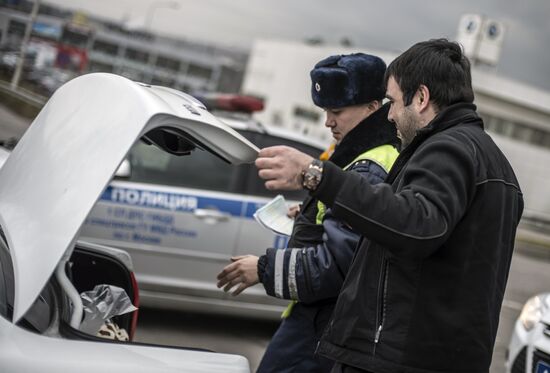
(273, 216)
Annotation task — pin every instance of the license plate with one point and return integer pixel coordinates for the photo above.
(542, 367)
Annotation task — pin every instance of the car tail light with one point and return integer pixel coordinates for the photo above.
(133, 324)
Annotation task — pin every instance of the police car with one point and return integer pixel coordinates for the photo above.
(182, 218)
(529, 349)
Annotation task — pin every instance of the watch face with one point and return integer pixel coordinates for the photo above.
(312, 175)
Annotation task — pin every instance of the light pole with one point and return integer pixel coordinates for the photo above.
(24, 43)
(156, 5)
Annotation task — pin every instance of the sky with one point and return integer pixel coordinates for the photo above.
(389, 25)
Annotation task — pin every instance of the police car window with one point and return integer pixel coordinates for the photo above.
(256, 185)
(200, 169)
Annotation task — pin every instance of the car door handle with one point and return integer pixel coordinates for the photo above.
(211, 216)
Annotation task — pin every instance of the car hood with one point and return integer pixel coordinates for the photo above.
(60, 167)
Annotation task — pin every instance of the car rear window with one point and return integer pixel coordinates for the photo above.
(200, 169)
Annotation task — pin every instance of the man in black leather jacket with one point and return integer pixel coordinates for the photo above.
(424, 290)
(311, 270)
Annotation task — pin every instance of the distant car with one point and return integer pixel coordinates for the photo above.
(47, 80)
(182, 218)
(49, 184)
(529, 349)
(9, 59)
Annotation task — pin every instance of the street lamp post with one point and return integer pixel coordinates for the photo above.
(24, 43)
(156, 5)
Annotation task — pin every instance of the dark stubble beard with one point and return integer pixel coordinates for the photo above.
(407, 127)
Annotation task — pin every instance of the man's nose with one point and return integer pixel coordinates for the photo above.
(390, 116)
(329, 121)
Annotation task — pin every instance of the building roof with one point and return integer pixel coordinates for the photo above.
(511, 90)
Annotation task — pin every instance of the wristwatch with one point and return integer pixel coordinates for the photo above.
(311, 176)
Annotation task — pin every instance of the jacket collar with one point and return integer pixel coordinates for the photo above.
(446, 118)
(449, 117)
(371, 132)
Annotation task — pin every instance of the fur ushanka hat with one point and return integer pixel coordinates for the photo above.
(346, 80)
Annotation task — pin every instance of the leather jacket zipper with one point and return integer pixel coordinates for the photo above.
(381, 305)
(305, 263)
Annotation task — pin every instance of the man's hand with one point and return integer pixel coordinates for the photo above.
(243, 272)
(282, 167)
(293, 211)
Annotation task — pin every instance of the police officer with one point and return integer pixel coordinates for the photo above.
(310, 272)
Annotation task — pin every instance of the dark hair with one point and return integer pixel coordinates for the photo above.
(439, 65)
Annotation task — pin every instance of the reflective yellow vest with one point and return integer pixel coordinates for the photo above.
(384, 156)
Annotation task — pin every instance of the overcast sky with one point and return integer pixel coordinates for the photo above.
(391, 25)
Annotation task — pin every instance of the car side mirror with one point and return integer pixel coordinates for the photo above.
(124, 170)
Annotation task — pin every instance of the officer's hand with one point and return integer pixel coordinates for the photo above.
(282, 167)
(293, 211)
(243, 272)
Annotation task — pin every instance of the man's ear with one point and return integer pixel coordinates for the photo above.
(374, 105)
(423, 97)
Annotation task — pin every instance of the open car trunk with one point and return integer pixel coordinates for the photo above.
(91, 265)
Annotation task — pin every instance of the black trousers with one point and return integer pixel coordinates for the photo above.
(292, 348)
(342, 368)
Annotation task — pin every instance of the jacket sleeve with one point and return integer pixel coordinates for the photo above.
(314, 273)
(435, 188)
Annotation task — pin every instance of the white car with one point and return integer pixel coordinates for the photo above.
(49, 184)
(529, 349)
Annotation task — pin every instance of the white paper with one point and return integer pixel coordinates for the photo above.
(273, 216)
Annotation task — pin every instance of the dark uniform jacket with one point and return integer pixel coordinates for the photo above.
(318, 256)
(424, 290)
